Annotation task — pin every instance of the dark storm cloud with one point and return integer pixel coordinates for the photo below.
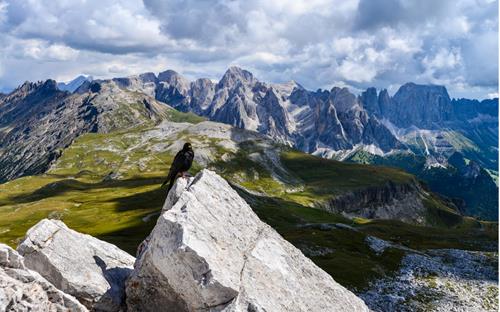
(393, 13)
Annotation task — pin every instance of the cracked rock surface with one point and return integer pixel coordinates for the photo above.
(80, 265)
(22, 289)
(210, 252)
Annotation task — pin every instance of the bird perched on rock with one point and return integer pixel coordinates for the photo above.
(182, 162)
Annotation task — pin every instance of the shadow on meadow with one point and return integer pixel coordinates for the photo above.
(67, 185)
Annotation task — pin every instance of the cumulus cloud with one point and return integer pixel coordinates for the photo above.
(319, 43)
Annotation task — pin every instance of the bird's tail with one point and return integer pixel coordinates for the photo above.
(169, 177)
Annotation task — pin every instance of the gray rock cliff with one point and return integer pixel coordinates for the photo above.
(210, 252)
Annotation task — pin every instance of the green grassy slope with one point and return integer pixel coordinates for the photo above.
(108, 185)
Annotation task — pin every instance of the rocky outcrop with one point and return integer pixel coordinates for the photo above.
(391, 201)
(91, 270)
(210, 252)
(22, 289)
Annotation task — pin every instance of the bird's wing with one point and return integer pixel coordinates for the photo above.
(188, 159)
(175, 166)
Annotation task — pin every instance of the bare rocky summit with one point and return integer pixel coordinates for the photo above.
(210, 252)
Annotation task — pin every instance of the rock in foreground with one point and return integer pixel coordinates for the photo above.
(91, 270)
(210, 252)
(25, 290)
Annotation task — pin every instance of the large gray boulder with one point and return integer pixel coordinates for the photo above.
(210, 252)
(24, 290)
(91, 270)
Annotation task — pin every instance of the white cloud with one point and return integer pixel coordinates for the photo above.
(493, 95)
(443, 61)
(352, 70)
(318, 43)
(40, 50)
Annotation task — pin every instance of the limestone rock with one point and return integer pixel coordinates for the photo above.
(25, 290)
(91, 270)
(210, 252)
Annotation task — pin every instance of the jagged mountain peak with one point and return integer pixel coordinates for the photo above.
(74, 84)
(172, 84)
(343, 99)
(169, 75)
(29, 86)
(46, 87)
(235, 74)
(426, 90)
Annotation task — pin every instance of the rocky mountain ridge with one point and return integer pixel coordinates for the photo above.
(435, 126)
(335, 123)
(37, 121)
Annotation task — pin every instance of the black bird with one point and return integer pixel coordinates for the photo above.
(182, 162)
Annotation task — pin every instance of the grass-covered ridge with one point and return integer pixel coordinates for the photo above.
(479, 194)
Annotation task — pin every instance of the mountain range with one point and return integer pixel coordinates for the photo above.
(418, 129)
(336, 123)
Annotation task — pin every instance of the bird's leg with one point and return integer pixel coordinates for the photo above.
(183, 174)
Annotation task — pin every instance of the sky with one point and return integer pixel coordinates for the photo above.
(318, 43)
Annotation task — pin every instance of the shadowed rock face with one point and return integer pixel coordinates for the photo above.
(91, 270)
(391, 201)
(24, 290)
(419, 105)
(209, 251)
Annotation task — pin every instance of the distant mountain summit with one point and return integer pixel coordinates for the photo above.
(72, 85)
